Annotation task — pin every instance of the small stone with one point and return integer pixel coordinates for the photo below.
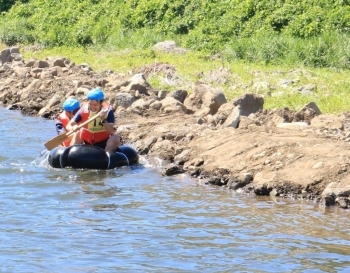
(317, 165)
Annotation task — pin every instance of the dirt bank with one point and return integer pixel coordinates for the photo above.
(236, 144)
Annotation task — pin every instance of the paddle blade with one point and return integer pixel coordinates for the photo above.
(54, 142)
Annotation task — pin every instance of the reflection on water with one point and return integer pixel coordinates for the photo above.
(134, 220)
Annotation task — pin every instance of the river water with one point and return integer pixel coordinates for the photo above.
(132, 219)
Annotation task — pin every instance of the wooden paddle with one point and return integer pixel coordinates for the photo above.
(54, 142)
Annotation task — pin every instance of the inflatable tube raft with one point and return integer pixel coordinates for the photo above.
(91, 157)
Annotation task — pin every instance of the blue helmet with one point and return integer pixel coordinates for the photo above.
(95, 94)
(71, 104)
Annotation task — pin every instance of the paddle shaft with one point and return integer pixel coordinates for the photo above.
(54, 142)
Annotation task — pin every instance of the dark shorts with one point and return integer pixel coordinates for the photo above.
(101, 144)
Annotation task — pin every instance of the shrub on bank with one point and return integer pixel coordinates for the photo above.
(312, 32)
(241, 36)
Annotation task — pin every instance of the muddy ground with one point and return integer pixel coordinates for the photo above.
(236, 144)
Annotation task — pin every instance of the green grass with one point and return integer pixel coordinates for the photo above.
(332, 85)
(242, 47)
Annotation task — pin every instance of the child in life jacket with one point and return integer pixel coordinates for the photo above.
(99, 132)
(70, 107)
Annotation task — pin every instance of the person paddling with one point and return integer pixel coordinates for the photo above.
(100, 132)
(70, 107)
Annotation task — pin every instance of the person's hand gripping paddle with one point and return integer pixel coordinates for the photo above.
(54, 142)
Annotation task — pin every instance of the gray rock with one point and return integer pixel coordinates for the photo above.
(179, 95)
(124, 100)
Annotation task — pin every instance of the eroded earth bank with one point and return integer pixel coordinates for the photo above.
(236, 144)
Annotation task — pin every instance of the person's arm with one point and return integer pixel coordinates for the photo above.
(69, 127)
(108, 122)
(74, 121)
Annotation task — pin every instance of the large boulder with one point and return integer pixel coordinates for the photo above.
(249, 104)
(229, 113)
(171, 105)
(123, 100)
(138, 83)
(8, 54)
(180, 95)
(204, 100)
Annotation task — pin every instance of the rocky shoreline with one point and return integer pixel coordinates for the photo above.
(235, 144)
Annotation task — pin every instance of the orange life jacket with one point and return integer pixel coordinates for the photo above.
(64, 119)
(94, 131)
